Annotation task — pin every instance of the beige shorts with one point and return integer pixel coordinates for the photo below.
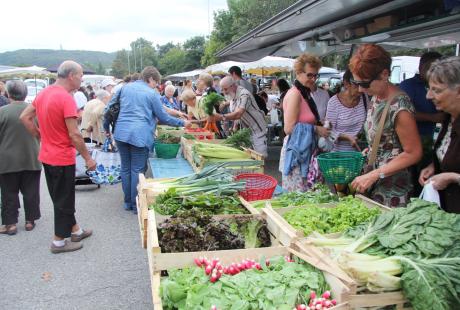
(259, 143)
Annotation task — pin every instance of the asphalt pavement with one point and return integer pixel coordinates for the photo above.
(110, 272)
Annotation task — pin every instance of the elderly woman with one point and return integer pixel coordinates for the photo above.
(191, 101)
(19, 165)
(93, 117)
(169, 100)
(444, 172)
(399, 147)
(140, 108)
(346, 113)
(300, 110)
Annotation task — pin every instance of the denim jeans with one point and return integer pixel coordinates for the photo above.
(133, 162)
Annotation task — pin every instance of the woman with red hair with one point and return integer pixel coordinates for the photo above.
(395, 144)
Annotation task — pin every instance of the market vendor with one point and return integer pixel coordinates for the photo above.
(388, 180)
(243, 107)
(444, 172)
(191, 101)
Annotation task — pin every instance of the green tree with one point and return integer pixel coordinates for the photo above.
(100, 69)
(120, 64)
(174, 61)
(194, 48)
(142, 54)
(163, 49)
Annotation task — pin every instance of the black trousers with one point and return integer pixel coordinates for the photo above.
(28, 182)
(61, 186)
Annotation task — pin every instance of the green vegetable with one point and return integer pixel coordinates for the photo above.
(170, 202)
(210, 101)
(168, 139)
(416, 248)
(188, 136)
(349, 212)
(280, 286)
(219, 151)
(240, 139)
(320, 193)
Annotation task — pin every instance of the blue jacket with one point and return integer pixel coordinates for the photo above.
(299, 148)
(140, 107)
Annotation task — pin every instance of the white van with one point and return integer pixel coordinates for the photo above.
(403, 68)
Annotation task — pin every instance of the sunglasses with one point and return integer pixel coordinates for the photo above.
(364, 84)
(311, 75)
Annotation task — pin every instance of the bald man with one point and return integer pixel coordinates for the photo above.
(56, 111)
(243, 107)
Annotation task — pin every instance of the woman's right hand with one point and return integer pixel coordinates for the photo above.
(322, 131)
(425, 174)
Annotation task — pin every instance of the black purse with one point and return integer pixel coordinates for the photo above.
(111, 114)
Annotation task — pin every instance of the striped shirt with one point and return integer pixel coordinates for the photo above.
(345, 120)
(252, 118)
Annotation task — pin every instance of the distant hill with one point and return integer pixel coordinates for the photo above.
(47, 58)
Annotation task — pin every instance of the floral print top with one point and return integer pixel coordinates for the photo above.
(389, 146)
(442, 149)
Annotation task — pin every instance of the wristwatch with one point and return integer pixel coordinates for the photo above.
(381, 175)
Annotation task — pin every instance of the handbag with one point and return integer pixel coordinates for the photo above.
(378, 135)
(108, 168)
(112, 112)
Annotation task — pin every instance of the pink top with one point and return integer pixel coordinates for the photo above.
(305, 115)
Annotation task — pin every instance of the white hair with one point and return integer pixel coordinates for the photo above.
(170, 88)
(101, 94)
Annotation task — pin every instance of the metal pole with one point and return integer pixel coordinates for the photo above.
(456, 50)
(142, 67)
(134, 54)
(129, 66)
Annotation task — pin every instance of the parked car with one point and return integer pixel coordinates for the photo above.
(32, 92)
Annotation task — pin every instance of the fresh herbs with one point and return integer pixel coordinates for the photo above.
(240, 139)
(320, 193)
(193, 231)
(349, 212)
(167, 138)
(170, 203)
(281, 285)
(210, 101)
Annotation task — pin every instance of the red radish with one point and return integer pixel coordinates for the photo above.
(231, 270)
(326, 295)
(318, 307)
(334, 302)
(225, 270)
(213, 307)
(208, 269)
(197, 262)
(301, 307)
(267, 262)
(257, 265)
(312, 295)
(241, 266)
(328, 303)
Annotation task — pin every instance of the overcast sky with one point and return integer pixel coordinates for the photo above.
(101, 25)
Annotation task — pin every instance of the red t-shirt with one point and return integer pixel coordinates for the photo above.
(53, 105)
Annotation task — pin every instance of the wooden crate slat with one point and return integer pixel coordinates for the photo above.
(280, 228)
(377, 300)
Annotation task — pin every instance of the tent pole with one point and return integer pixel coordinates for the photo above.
(456, 50)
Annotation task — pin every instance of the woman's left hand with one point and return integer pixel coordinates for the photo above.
(362, 183)
(442, 180)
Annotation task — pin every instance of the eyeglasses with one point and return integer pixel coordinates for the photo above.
(311, 75)
(364, 84)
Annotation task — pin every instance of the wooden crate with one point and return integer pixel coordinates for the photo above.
(187, 148)
(284, 225)
(355, 300)
(181, 260)
(147, 195)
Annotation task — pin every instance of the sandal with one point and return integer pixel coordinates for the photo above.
(30, 225)
(9, 229)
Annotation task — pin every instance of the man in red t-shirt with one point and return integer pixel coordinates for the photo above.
(57, 128)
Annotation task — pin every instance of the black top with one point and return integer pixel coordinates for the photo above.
(450, 197)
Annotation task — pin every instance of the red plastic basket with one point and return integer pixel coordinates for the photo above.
(258, 186)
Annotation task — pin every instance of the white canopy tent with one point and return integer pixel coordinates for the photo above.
(184, 75)
(25, 70)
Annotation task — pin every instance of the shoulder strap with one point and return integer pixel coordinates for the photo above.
(378, 134)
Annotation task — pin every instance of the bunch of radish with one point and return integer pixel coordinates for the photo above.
(318, 303)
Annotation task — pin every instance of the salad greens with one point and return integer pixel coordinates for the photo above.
(320, 193)
(170, 203)
(416, 248)
(168, 139)
(281, 285)
(193, 231)
(349, 212)
(240, 139)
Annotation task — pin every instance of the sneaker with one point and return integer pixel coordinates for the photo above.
(68, 247)
(85, 234)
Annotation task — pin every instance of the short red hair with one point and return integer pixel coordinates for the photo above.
(369, 61)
